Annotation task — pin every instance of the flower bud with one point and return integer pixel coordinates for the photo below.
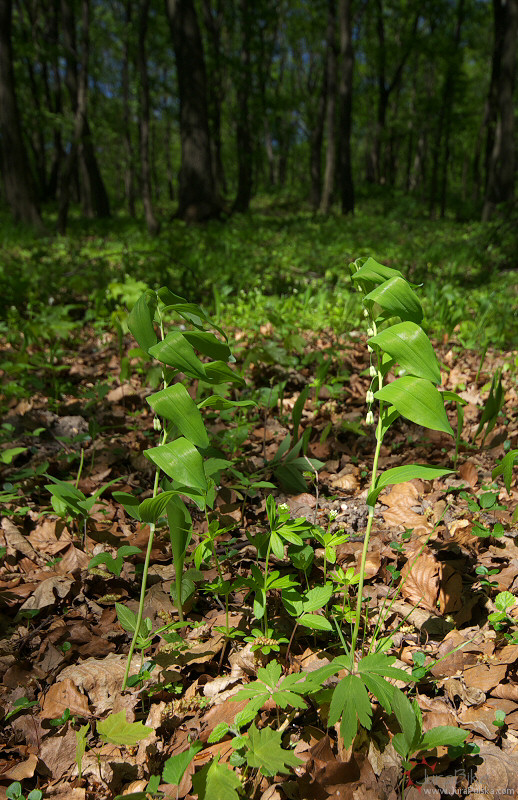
(369, 419)
(370, 397)
(370, 332)
(157, 424)
(372, 371)
(365, 313)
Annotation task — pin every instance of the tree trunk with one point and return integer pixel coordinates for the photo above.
(196, 194)
(19, 187)
(77, 87)
(345, 95)
(93, 191)
(129, 169)
(213, 22)
(145, 168)
(376, 171)
(243, 137)
(329, 174)
(315, 146)
(500, 169)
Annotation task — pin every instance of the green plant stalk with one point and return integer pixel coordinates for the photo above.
(379, 440)
(265, 618)
(143, 586)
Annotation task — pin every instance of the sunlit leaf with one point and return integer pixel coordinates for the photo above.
(409, 345)
(418, 400)
(176, 405)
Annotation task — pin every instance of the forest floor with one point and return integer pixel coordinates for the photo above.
(449, 544)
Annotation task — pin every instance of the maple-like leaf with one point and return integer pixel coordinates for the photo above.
(264, 752)
(216, 782)
(117, 730)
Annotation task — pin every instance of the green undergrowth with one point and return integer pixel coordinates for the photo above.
(280, 263)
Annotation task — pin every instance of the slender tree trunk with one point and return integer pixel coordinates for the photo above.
(329, 174)
(93, 191)
(243, 136)
(213, 20)
(19, 187)
(500, 172)
(376, 170)
(145, 168)
(168, 157)
(196, 194)
(315, 146)
(456, 65)
(345, 95)
(129, 169)
(80, 85)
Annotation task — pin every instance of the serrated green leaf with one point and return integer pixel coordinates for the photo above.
(315, 621)
(176, 405)
(409, 345)
(317, 597)
(117, 730)
(216, 781)
(180, 461)
(443, 735)
(126, 617)
(175, 766)
(395, 298)
(81, 735)
(408, 721)
(351, 703)
(265, 752)
(403, 474)
(176, 352)
(418, 400)
(217, 733)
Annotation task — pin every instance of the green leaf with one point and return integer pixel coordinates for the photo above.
(409, 345)
(371, 274)
(505, 468)
(130, 504)
(380, 688)
(395, 298)
(223, 404)
(296, 414)
(176, 352)
(126, 617)
(176, 405)
(208, 344)
(140, 321)
(350, 701)
(116, 730)
(402, 474)
(180, 461)
(217, 733)
(315, 621)
(153, 508)
(81, 735)
(219, 372)
(443, 735)
(6, 456)
(264, 752)
(418, 400)
(175, 766)
(216, 781)
(317, 597)
(407, 718)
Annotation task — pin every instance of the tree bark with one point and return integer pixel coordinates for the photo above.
(329, 174)
(243, 137)
(213, 19)
(145, 168)
(129, 169)
(93, 191)
(316, 141)
(345, 96)
(19, 187)
(196, 195)
(501, 162)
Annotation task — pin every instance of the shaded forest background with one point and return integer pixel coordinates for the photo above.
(194, 108)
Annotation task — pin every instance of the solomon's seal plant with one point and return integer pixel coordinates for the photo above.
(183, 464)
(396, 341)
